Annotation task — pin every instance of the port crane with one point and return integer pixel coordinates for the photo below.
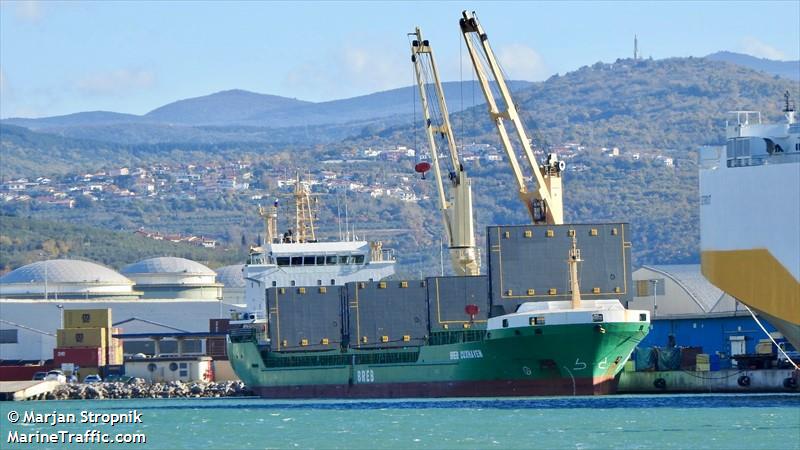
(457, 209)
(544, 202)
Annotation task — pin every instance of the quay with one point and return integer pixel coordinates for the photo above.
(728, 380)
(26, 390)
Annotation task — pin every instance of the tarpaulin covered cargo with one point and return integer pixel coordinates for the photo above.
(304, 318)
(387, 313)
(456, 302)
(529, 263)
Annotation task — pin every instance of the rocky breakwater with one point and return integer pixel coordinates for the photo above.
(142, 389)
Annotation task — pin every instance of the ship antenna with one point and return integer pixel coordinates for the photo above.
(574, 259)
(339, 218)
(788, 108)
(346, 219)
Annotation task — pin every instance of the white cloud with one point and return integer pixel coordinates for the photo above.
(116, 82)
(353, 71)
(521, 62)
(28, 10)
(755, 47)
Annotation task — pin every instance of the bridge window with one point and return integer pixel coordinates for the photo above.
(343, 259)
(283, 260)
(297, 260)
(330, 260)
(320, 260)
(308, 260)
(359, 259)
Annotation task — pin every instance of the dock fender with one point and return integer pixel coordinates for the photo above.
(743, 381)
(660, 383)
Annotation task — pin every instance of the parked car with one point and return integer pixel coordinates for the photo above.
(92, 379)
(114, 378)
(56, 375)
(39, 376)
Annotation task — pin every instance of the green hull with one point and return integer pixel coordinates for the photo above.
(578, 359)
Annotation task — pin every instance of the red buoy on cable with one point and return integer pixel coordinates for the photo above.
(422, 167)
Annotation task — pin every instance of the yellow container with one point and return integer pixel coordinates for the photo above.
(702, 358)
(702, 367)
(629, 366)
(82, 337)
(115, 355)
(87, 318)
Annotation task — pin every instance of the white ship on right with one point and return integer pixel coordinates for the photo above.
(750, 217)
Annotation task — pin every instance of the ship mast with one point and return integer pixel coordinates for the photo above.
(574, 285)
(270, 221)
(304, 215)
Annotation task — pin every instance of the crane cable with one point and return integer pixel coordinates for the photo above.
(770, 337)
(414, 103)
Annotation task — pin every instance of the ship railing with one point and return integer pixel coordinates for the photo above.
(243, 334)
(760, 160)
(744, 118)
(387, 254)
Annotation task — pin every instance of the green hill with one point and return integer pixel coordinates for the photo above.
(25, 240)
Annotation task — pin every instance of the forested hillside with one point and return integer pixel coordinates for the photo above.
(25, 240)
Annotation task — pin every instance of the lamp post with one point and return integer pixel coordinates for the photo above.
(655, 296)
(60, 315)
(45, 274)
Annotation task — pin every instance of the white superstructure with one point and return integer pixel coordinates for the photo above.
(296, 258)
(313, 264)
(750, 217)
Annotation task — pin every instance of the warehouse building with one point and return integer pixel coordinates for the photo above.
(688, 311)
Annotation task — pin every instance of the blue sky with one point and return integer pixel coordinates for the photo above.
(64, 57)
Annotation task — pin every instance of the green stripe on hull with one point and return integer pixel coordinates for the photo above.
(594, 351)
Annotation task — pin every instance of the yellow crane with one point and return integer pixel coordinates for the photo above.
(457, 209)
(544, 201)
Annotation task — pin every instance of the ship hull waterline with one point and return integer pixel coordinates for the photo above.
(553, 360)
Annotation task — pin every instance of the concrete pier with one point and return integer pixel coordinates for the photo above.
(730, 380)
(26, 390)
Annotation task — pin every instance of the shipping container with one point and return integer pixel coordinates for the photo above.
(218, 325)
(87, 318)
(114, 353)
(82, 337)
(80, 356)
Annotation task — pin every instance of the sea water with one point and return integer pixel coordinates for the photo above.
(619, 422)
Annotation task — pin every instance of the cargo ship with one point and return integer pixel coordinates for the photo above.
(750, 217)
(512, 332)
(525, 328)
